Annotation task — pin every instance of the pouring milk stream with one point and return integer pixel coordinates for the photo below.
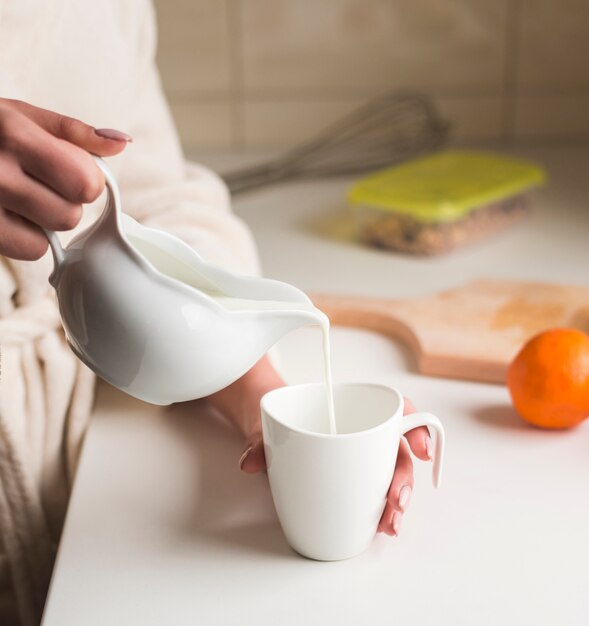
(237, 304)
(145, 312)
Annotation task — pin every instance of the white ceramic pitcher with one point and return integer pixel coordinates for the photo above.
(145, 312)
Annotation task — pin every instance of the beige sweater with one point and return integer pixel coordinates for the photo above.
(93, 60)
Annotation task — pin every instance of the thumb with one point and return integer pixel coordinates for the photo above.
(103, 141)
(253, 459)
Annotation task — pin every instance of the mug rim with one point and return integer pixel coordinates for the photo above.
(395, 415)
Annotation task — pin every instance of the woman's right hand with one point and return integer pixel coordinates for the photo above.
(46, 174)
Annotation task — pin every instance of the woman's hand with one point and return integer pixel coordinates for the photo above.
(46, 174)
(240, 402)
(399, 494)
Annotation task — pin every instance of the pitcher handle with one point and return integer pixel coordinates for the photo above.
(111, 208)
(414, 420)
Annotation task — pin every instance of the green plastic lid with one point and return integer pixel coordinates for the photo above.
(445, 186)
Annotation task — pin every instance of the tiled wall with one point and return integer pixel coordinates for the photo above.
(269, 73)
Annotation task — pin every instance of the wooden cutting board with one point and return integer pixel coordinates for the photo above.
(472, 332)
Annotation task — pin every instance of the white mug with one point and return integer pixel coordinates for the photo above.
(330, 490)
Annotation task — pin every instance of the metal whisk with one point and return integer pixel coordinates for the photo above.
(385, 131)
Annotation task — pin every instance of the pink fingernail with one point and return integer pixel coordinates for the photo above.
(397, 517)
(244, 456)
(115, 135)
(429, 449)
(404, 495)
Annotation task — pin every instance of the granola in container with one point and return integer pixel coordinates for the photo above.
(441, 202)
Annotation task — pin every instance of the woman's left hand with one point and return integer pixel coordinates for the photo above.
(399, 494)
(240, 402)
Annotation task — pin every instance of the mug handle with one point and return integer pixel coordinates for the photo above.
(413, 420)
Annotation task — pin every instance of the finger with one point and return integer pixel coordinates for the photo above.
(253, 459)
(399, 492)
(403, 477)
(62, 166)
(393, 526)
(419, 439)
(19, 238)
(420, 443)
(104, 142)
(34, 201)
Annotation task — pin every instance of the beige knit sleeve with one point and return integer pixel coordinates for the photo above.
(159, 188)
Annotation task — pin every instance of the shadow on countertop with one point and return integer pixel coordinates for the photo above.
(230, 508)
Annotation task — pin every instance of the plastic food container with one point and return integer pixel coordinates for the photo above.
(441, 202)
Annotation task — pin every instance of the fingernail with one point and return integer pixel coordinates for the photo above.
(429, 449)
(404, 496)
(244, 456)
(397, 517)
(115, 135)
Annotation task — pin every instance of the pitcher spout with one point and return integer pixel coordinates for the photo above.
(276, 324)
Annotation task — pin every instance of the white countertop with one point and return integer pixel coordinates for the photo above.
(164, 529)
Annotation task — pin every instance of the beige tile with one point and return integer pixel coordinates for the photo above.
(286, 123)
(554, 43)
(372, 44)
(193, 45)
(204, 124)
(552, 117)
(473, 118)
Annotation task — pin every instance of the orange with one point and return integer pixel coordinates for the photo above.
(549, 379)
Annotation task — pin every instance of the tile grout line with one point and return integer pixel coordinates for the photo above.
(179, 97)
(236, 93)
